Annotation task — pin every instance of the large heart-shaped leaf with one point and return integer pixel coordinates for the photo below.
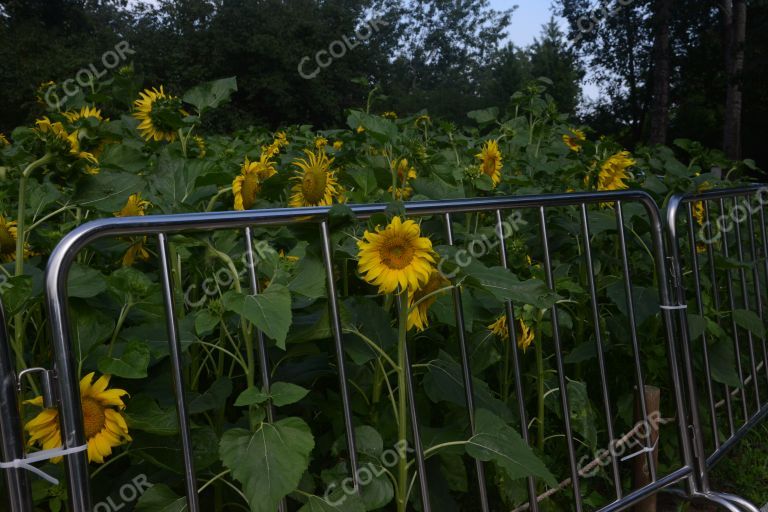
(497, 441)
(269, 311)
(269, 462)
(211, 94)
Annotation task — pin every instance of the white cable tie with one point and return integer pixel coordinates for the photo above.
(26, 462)
(647, 449)
(679, 306)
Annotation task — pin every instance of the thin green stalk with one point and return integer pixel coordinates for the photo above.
(19, 320)
(540, 398)
(402, 397)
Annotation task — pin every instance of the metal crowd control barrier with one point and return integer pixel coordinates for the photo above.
(587, 220)
(719, 242)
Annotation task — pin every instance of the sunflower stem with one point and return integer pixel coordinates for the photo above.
(19, 320)
(540, 397)
(402, 397)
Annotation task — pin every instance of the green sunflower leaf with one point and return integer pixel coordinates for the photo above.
(269, 462)
(498, 442)
(269, 311)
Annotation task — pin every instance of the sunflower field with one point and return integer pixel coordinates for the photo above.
(131, 149)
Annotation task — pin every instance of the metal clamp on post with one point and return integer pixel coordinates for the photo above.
(48, 391)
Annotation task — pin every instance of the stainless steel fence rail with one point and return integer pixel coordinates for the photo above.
(719, 243)
(546, 212)
(16, 480)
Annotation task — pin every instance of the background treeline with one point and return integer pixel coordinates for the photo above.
(669, 68)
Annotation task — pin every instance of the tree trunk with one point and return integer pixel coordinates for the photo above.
(661, 73)
(735, 21)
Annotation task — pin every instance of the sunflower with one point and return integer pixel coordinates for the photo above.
(575, 139)
(338, 145)
(200, 146)
(135, 206)
(491, 161)
(422, 121)
(389, 115)
(280, 141)
(417, 317)
(405, 173)
(136, 251)
(8, 239)
(613, 172)
(3, 140)
(57, 136)
(397, 256)
(321, 142)
(698, 206)
(153, 108)
(84, 113)
(525, 334)
(104, 424)
(316, 183)
(252, 174)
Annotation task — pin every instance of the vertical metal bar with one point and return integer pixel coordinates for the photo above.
(716, 297)
(67, 379)
(261, 344)
(599, 345)
(753, 254)
(17, 484)
(672, 297)
(576, 486)
(704, 343)
(335, 320)
(628, 294)
(745, 303)
(418, 447)
(732, 305)
(764, 257)
(174, 346)
(467, 372)
(510, 312)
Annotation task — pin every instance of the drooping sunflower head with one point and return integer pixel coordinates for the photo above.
(316, 184)
(84, 113)
(698, 206)
(491, 161)
(59, 140)
(7, 240)
(613, 172)
(574, 139)
(159, 114)
(422, 299)
(423, 121)
(135, 206)
(248, 185)
(405, 173)
(103, 420)
(524, 333)
(3, 140)
(396, 257)
(137, 250)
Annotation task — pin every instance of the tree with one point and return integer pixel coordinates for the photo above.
(661, 72)
(550, 57)
(735, 29)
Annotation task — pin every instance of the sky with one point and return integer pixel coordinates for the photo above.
(527, 21)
